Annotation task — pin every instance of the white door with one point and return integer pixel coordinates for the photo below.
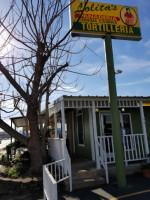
(106, 125)
(106, 130)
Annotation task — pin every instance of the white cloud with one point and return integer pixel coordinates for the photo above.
(68, 89)
(143, 81)
(130, 64)
(92, 41)
(99, 51)
(99, 68)
(147, 43)
(144, 21)
(103, 89)
(90, 68)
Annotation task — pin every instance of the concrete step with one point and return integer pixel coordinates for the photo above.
(81, 174)
(89, 176)
(85, 178)
(87, 165)
(86, 182)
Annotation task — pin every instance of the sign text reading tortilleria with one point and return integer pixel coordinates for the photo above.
(99, 19)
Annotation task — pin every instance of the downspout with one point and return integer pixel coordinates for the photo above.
(64, 146)
(144, 127)
(95, 135)
(55, 124)
(91, 134)
(63, 128)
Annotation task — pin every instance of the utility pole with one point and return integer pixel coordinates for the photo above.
(119, 157)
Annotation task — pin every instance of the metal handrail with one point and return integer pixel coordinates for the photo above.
(56, 172)
(133, 149)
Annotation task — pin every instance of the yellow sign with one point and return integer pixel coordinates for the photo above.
(99, 19)
(25, 128)
(146, 104)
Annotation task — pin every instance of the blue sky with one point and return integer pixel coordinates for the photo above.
(132, 57)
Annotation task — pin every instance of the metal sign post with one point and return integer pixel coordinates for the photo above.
(119, 157)
(108, 21)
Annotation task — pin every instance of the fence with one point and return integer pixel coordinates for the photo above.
(53, 173)
(57, 171)
(133, 148)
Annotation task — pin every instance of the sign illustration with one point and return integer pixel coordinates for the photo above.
(128, 16)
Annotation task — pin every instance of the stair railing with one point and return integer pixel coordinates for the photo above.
(53, 173)
(57, 171)
(103, 156)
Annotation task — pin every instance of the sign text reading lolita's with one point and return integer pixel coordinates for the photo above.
(98, 19)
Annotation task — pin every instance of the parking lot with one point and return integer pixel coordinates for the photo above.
(5, 142)
(138, 188)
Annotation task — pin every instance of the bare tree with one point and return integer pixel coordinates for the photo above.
(34, 66)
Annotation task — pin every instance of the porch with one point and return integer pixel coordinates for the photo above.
(133, 149)
(85, 174)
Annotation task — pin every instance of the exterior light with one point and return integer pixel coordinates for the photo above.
(118, 71)
(122, 109)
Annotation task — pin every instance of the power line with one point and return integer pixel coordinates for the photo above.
(93, 51)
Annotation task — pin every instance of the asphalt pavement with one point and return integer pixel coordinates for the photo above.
(5, 142)
(138, 188)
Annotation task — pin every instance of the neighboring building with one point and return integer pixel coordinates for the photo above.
(4, 135)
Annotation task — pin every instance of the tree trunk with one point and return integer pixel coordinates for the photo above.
(36, 156)
(44, 151)
(35, 145)
(23, 139)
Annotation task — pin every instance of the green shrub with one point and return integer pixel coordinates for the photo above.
(13, 172)
(4, 160)
(16, 159)
(18, 165)
(17, 145)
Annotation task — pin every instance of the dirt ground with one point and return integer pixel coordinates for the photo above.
(34, 195)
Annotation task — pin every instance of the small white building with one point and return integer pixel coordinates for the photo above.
(86, 129)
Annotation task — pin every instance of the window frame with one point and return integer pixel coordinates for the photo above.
(122, 123)
(80, 114)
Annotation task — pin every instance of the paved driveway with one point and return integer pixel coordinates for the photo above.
(5, 142)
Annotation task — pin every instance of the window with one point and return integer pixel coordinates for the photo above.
(126, 123)
(128, 140)
(80, 129)
(107, 124)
